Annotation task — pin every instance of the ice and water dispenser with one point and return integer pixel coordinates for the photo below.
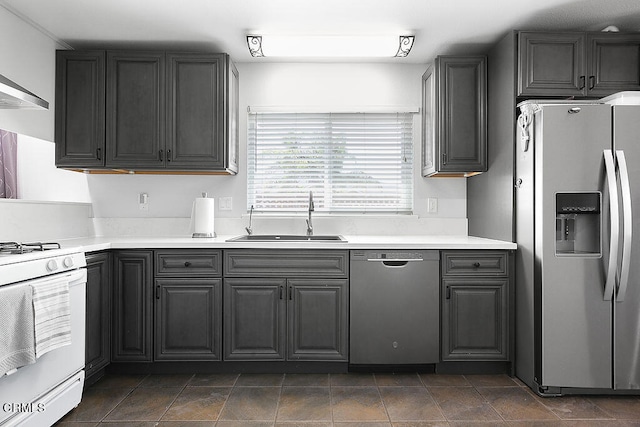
(578, 219)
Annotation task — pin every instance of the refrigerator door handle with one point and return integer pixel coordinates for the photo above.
(614, 214)
(627, 224)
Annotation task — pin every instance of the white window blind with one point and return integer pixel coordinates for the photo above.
(353, 162)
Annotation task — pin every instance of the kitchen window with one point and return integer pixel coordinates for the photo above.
(353, 162)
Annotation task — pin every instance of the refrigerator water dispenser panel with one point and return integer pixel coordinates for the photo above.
(578, 219)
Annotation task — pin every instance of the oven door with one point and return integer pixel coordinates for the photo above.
(28, 392)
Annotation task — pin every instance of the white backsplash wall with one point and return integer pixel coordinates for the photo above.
(307, 85)
(39, 179)
(24, 221)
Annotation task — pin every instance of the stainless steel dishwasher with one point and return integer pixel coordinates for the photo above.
(394, 307)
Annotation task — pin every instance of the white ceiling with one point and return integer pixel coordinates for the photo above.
(440, 26)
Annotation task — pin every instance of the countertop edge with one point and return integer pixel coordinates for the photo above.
(94, 244)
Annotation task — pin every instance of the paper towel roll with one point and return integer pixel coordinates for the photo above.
(202, 217)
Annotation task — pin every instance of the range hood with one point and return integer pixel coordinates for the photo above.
(16, 97)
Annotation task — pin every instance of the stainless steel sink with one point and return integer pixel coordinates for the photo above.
(287, 238)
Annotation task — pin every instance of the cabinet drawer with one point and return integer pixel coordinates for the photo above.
(283, 263)
(188, 263)
(476, 263)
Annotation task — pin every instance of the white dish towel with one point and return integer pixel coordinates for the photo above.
(52, 315)
(17, 331)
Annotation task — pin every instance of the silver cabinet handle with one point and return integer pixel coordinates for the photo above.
(627, 224)
(614, 213)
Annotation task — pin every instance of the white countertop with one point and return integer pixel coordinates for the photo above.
(352, 242)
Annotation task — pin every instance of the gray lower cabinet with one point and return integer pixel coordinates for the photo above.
(255, 317)
(476, 319)
(188, 319)
(188, 305)
(98, 314)
(286, 319)
(132, 306)
(286, 305)
(317, 319)
(170, 312)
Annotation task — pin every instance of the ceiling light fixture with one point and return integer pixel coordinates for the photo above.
(330, 46)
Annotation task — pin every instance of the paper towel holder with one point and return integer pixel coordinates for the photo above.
(202, 235)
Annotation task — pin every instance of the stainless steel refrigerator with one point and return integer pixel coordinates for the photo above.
(577, 183)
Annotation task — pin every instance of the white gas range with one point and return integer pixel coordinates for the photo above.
(40, 393)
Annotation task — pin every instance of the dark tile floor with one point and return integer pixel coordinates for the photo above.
(340, 400)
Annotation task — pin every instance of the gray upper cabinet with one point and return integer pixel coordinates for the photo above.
(147, 111)
(135, 110)
(551, 64)
(577, 64)
(454, 116)
(80, 104)
(613, 63)
(202, 122)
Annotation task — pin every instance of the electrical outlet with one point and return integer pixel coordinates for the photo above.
(143, 201)
(225, 203)
(432, 205)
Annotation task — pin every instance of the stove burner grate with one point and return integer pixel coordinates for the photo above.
(15, 248)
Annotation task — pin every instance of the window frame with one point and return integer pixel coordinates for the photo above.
(404, 132)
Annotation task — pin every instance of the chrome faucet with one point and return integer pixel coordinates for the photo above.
(311, 209)
(249, 229)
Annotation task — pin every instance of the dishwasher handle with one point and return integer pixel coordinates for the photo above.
(394, 262)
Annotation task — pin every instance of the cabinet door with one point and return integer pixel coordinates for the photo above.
(233, 121)
(196, 113)
(98, 313)
(255, 316)
(132, 310)
(317, 319)
(614, 63)
(551, 64)
(463, 114)
(135, 110)
(455, 116)
(430, 122)
(79, 115)
(188, 319)
(475, 319)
